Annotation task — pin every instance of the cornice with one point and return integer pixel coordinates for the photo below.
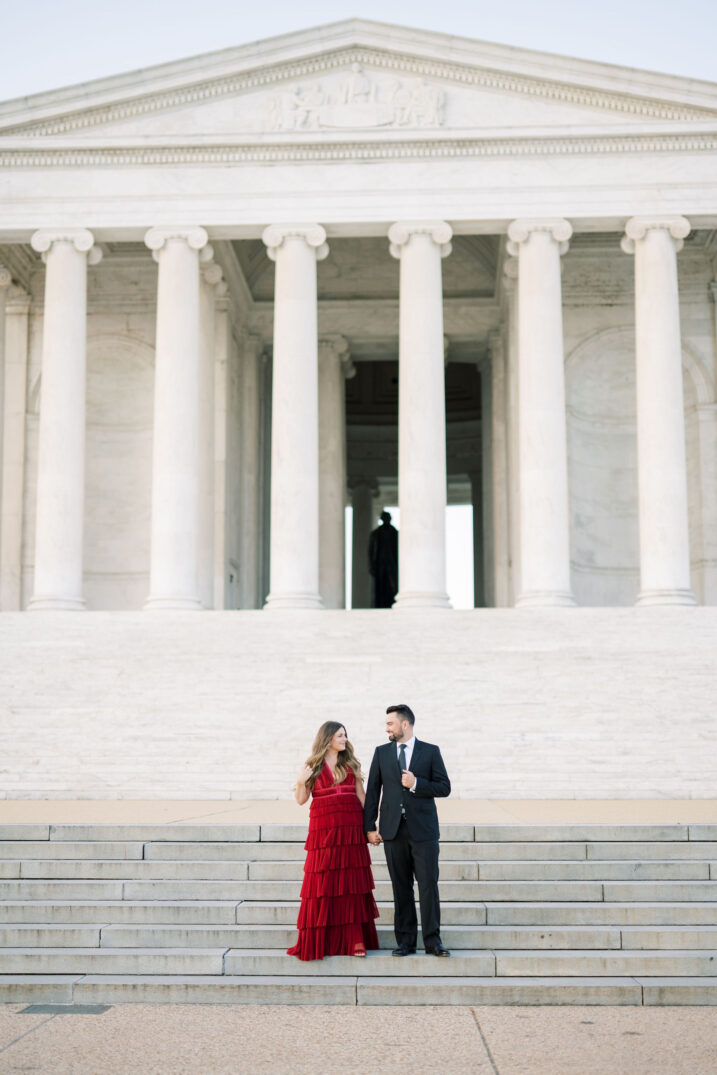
(321, 63)
(337, 152)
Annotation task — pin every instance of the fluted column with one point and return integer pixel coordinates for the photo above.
(542, 436)
(363, 493)
(421, 414)
(176, 463)
(662, 469)
(250, 433)
(335, 367)
(61, 446)
(294, 554)
(211, 283)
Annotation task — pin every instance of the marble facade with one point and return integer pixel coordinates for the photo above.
(212, 272)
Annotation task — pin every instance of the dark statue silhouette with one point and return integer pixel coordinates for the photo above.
(383, 562)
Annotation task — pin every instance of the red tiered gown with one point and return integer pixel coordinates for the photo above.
(337, 906)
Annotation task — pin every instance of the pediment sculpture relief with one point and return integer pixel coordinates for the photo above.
(359, 101)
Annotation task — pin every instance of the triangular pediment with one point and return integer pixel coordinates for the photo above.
(365, 80)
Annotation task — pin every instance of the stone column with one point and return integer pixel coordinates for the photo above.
(542, 435)
(486, 536)
(499, 467)
(662, 469)
(421, 414)
(61, 443)
(176, 464)
(5, 281)
(335, 367)
(211, 282)
(363, 492)
(479, 588)
(294, 554)
(250, 430)
(510, 280)
(17, 334)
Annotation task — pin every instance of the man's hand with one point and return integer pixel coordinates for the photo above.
(374, 837)
(407, 778)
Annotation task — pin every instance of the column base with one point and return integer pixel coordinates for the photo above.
(293, 600)
(173, 604)
(42, 603)
(666, 597)
(546, 599)
(421, 599)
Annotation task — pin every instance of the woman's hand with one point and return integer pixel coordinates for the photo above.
(304, 773)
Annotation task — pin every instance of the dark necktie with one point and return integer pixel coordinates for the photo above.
(402, 757)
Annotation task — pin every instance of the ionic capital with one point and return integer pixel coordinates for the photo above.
(5, 278)
(361, 482)
(196, 238)
(211, 272)
(637, 227)
(313, 235)
(82, 240)
(336, 346)
(400, 233)
(520, 231)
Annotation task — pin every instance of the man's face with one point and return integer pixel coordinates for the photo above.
(397, 729)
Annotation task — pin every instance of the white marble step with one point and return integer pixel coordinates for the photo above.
(104, 912)
(332, 990)
(282, 937)
(112, 960)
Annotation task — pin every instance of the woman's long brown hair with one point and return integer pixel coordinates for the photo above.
(346, 759)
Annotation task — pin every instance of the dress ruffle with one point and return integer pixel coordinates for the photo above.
(338, 910)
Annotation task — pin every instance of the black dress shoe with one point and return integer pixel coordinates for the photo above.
(404, 950)
(437, 950)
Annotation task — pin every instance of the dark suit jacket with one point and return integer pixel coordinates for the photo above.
(384, 783)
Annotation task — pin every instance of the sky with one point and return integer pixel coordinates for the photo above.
(51, 43)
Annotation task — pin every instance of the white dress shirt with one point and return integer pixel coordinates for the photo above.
(408, 744)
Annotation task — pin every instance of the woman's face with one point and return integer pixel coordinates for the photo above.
(339, 740)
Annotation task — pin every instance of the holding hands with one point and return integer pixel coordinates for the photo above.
(374, 838)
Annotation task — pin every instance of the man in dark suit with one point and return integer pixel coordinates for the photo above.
(408, 776)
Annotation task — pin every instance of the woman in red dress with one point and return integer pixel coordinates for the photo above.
(337, 911)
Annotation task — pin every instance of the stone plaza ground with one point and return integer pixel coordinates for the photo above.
(219, 1039)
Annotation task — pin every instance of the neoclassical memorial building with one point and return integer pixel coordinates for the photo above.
(350, 265)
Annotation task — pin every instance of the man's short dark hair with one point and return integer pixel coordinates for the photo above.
(403, 711)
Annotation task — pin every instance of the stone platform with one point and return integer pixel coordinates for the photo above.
(541, 703)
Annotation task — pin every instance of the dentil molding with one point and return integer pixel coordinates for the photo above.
(328, 152)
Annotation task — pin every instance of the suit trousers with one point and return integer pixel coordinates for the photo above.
(405, 859)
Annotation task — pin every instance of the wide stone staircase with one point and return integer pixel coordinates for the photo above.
(188, 913)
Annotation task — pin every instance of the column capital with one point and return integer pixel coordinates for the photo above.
(400, 233)
(313, 235)
(252, 343)
(520, 231)
(359, 481)
(82, 240)
(195, 237)
(5, 278)
(637, 227)
(337, 346)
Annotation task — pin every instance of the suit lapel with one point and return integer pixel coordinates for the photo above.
(416, 751)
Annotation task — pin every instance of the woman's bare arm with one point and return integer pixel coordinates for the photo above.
(361, 794)
(300, 793)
